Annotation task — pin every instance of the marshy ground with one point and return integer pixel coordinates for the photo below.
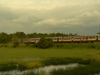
(31, 58)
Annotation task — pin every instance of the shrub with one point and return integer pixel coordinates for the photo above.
(15, 41)
(44, 43)
(91, 69)
(5, 45)
(62, 61)
(27, 43)
(15, 44)
(12, 66)
(1, 45)
(30, 73)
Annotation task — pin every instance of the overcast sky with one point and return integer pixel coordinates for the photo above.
(50, 16)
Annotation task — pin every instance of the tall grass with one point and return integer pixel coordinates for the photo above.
(32, 57)
(17, 54)
(34, 73)
(94, 45)
(64, 61)
(93, 68)
(51, 61)
(30, 73)
(12, 66)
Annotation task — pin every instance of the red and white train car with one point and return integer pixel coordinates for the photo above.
(67, 39)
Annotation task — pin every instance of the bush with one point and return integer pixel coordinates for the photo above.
(30, 73)
(12, 66)
(5, 45)
(27, 43)
(15, 41)
(15, 44)
(44, 43)
(63, 61)
(1, 45)
(91, 69)
(94, 45)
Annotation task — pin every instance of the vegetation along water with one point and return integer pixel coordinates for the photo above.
(29, 56)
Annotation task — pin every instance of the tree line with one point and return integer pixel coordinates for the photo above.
(8, 38)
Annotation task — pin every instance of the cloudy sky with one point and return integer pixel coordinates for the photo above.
(50, 16)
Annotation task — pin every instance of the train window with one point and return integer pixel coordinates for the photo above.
(55, 39)
(59, 38)
(67, 38)
(77, 38)
(38, 39)
(33, 39)
(92, 37)
(25, 39)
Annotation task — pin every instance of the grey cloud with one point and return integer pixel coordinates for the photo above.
(97, 6)
(87, 19)
(6, 13)
(78, 18)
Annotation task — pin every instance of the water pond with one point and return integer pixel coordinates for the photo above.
(46, 69)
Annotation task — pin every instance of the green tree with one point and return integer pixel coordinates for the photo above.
(98, 33)
(27, 43)
(15, 41)
(3, 38)
(20, 35)
(44, 43)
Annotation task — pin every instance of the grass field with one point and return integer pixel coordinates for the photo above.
(32, 57)
(35, 53)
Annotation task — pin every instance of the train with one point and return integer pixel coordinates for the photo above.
(65, 39)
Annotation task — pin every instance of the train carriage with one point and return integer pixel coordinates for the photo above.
(34, 40)
(67, 39)
(23, 40)
(84, 39)
(31, 40)
(57, 39)
(92, 38)
(98, 38)
(77, 39)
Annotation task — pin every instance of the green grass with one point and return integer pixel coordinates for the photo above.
(91, 69)
(21, 53)
(12, 66)
(64, 53)
(32, 57)
(65, 61)
(94, 45)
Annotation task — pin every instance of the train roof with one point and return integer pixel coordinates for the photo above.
(91, 35)
(53, 37)
(64, 36)
(72, 36)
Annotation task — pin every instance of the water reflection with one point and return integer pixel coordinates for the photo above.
(46, 69)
